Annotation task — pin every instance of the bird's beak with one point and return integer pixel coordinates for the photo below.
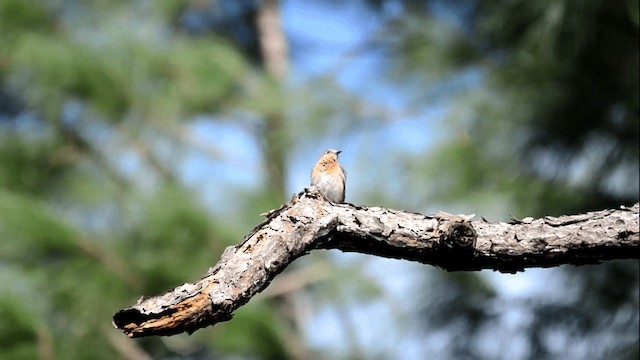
(338, 152)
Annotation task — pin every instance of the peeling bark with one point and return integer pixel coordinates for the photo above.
(452, 242)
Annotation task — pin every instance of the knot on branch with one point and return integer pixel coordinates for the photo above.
(457, 246)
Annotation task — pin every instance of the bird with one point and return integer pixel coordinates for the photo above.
(329, 177)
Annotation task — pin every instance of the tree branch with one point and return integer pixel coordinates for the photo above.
(452, 242)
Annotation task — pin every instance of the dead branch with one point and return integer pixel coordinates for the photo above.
(452, 242)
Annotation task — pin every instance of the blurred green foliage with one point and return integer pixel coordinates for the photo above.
(90, 215)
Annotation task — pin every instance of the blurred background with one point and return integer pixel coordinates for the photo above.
(138, 139)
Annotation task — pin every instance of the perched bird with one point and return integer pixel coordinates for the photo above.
(329, 177)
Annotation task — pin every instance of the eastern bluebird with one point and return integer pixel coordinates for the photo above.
(329, 177)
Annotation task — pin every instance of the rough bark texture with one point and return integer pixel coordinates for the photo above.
(452, 242)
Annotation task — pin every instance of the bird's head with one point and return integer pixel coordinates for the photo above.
(332, 151)
(330, 156)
